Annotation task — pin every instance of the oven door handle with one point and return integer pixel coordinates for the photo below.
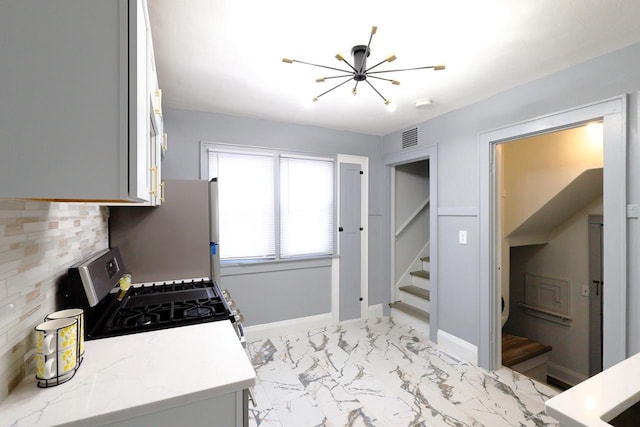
(241, 335)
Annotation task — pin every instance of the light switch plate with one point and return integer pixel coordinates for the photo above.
(462, 237)
(584, 291)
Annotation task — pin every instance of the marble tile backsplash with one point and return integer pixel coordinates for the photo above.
(38, 243)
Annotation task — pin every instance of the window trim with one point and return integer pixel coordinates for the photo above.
(276, 153)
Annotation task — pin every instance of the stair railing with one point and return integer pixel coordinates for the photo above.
(413, 216)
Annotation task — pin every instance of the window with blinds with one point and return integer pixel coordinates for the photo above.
(306, 206)
(273, 205)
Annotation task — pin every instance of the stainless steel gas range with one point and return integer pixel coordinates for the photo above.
(93, 286)
(109, 311)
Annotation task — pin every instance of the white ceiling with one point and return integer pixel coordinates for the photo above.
(225, 56)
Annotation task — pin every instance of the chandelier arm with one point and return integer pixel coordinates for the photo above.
(402, 69)
(378, 64)
(350, 66)
(355, 88)
(376, 90)
(321, 66)
(366, 52)
(350, 75)
(335, 87)
(382, 78)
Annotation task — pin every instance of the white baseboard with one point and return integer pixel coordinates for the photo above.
(458, 347)
(284, 327)
(565, 375)
(301, 324)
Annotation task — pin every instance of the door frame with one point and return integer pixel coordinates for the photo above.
(391, 161)
(595, 339)
(364, 241)
(613, 113)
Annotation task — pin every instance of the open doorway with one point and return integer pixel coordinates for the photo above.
(411, 296)
(612, 114)
(420, 167)
(549, 187)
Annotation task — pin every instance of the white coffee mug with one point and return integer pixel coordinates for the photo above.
(71, 313)
(57, 364)
(56, 335)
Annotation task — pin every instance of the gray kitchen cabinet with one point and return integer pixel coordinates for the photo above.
(76, 106)
(226, 410)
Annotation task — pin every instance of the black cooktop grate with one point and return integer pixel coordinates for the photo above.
(161, 306)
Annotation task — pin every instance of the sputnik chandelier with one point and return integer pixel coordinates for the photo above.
(359, 71)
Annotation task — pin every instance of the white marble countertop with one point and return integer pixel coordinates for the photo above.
(602, 396)
(137, 374)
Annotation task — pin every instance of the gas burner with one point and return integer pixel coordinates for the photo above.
(145, 319)
(166, 305)
(199, 311)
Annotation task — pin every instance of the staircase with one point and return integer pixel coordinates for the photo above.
(411, 305)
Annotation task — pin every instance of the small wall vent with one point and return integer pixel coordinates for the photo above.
(410, 138)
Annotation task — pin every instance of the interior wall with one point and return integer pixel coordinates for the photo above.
(39, 241)
(565, 257)
(537, 168)
(186, 129)
(456, 136)
(534, 170)
(412, 189)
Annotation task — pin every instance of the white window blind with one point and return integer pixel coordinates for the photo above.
(272, 204)
(246, 204)
(306, 206)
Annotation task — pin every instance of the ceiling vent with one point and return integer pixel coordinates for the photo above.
(410, 138)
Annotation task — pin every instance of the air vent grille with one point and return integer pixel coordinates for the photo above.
(409, 138)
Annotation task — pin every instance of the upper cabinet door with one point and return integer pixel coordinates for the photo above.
(140, 167)
(74, 116)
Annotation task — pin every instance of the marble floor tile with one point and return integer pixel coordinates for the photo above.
(382, 373)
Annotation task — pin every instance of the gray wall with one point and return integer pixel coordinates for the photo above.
(456, 135)
(565, 257)
(287, 293)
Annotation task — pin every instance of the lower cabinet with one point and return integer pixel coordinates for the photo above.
(227, 410)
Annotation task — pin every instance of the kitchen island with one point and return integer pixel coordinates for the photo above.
(152, 378)
(599, 399)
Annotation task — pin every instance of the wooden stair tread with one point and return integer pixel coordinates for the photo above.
(518, 349)
(426, 258)
(417, 291)
(411, 310)
(421, 273)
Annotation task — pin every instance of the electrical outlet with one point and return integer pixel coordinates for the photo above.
(584, 291)
(462, 237)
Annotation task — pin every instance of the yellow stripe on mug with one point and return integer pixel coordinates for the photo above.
(72, 313)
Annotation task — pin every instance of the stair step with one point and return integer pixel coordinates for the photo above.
(421, 273)
(425, 258)
(519, 349)
(417, 291)
(410, 310)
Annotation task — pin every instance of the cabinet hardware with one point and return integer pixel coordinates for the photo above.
(162, 191)
(251, 398)
(158, 109)
(154, 184)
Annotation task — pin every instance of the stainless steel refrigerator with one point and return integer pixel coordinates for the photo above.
(175, 240)
(214, 235)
